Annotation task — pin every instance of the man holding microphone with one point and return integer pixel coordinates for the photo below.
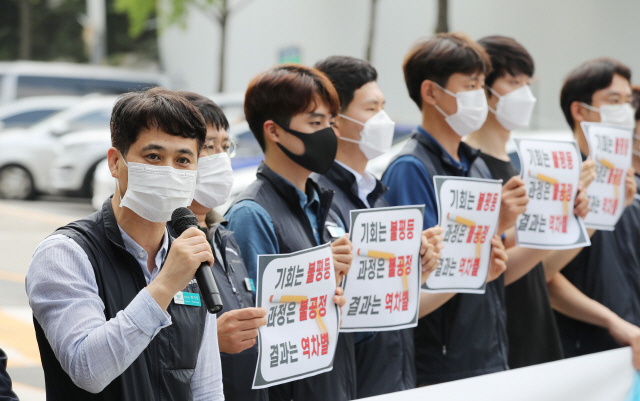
(105, 289)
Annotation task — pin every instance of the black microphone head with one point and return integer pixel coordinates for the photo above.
(181, 219)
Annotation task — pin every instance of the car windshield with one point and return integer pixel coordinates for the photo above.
(82, 113)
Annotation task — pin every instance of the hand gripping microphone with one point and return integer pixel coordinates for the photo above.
(181, 219)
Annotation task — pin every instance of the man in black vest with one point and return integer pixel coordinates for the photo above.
(445, 78)
(290, 110)
(116, 310)
(607, 272)
(238, 322)
(385, 364)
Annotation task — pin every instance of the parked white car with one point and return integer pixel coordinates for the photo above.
(76, 159)
(25, 112)
(26, 156)
(20, 79)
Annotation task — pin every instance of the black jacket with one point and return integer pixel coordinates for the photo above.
(163, 371)
(230, 274)
(466, 336)
(294, 233)
(385, 364)
(608, 271)
(5, 381)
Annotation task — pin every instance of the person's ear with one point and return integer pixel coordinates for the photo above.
(336, 127)
(577, 112)
(271, 131)
(427, 92)
(113, 156)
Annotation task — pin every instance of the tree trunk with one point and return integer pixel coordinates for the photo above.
(443, 17)
(372, 29)
(25, 30)
(223, 49)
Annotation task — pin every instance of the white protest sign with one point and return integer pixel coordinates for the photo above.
(468, 211)
(551, 172)
(382, 288)
(301, 334)
(610, 147)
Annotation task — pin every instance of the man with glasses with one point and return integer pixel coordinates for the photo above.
(238, 322)
(609, 270)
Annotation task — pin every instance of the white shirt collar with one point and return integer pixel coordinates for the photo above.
(366, 183)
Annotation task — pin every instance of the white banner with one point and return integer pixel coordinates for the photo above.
(468, 211)
(383, 286)
(551, 172)
(610, 147)
(596, 377)
(301, 334)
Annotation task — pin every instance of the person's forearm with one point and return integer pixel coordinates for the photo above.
(521, 261)
(430, 302)
(555, 261)
(568, 300)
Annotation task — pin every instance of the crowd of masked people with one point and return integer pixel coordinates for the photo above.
(102, 288)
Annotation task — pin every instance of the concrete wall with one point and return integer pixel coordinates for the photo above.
(559, 34)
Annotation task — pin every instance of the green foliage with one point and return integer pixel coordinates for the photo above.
(138, 12)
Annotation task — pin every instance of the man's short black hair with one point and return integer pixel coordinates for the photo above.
(590, 77)
(507, 57)
(347, 74)
(154, 108)
(438, 58)
(212, 113)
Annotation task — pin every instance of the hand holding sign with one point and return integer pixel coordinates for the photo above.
(498, 259)
(514, 203)
(631, 186)
(342, 251)
(238, 329)
(431, 251)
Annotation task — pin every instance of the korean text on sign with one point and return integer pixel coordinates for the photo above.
(301, 333)
(610, 147)
(551, 172)
(382, 287)
(468, 211)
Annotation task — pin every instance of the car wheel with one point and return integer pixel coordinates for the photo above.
(16, 183)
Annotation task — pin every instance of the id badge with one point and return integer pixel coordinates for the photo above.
(187, 298)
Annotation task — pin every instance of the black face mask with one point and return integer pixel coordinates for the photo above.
(320, 149)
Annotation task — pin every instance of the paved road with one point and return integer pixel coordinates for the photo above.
(22, 226)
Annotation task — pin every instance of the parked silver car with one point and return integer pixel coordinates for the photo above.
(25, 112)
(26, 155)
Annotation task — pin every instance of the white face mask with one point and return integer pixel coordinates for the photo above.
(620, 114)
(215, 180)
(514, 109)
(154, 192)
(377, 135)
(472, 111)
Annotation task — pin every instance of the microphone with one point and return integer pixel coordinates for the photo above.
(181, 219)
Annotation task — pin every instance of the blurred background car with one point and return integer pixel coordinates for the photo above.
(76, 159)
(26, 155)
(21, 79)
(25, 112)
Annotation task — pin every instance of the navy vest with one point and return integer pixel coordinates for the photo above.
(163, 371)
(294, 233)
(466, 336)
